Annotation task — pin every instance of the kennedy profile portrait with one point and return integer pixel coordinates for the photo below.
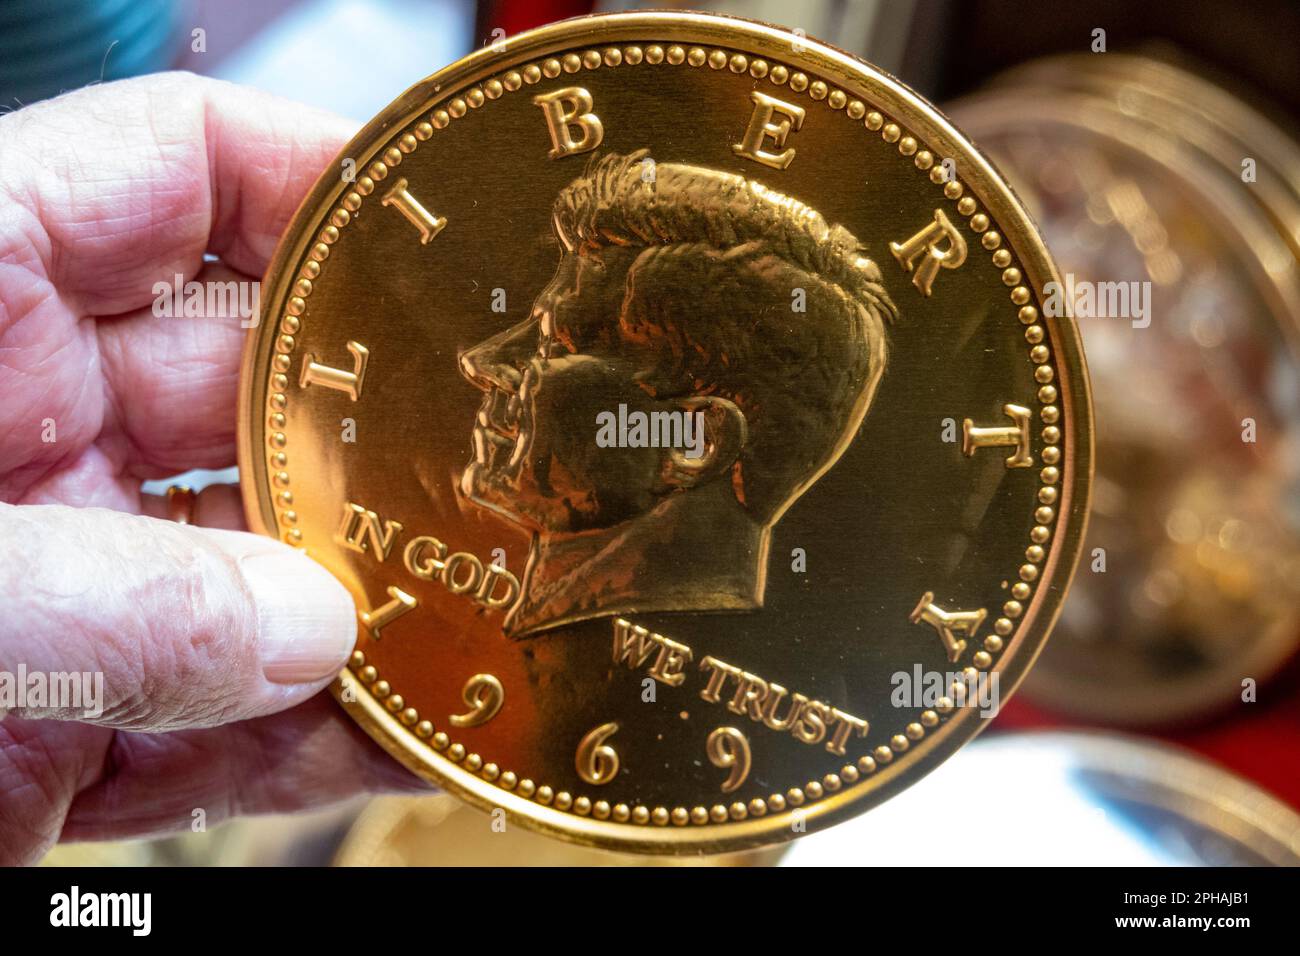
(692, 292)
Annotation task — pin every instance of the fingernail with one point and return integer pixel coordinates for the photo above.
(307, 621)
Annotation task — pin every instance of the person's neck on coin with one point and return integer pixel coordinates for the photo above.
(696, 551)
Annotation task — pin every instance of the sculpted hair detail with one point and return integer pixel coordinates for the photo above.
(613, 204)
(712, 295)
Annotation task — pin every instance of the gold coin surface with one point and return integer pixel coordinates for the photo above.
(676, 397)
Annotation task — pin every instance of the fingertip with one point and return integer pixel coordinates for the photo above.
(306, 618)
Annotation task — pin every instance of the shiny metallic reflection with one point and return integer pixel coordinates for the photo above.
(1082, 799)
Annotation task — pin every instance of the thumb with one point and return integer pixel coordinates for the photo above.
(176, 626)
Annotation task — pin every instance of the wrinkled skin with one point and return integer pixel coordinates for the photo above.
(104, 192)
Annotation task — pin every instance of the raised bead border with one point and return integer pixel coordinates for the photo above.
(924, 161)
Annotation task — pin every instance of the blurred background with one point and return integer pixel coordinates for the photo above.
(1154, 143)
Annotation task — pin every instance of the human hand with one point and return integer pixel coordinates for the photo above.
(213, 642)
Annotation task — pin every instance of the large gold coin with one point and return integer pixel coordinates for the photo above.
(673, 394)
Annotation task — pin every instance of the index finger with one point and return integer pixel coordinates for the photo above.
(130, 183)
(105, 193)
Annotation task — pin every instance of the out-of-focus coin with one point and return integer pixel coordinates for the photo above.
(1192, 580)
(1081, 799)
(674, 395)
(1223, 125)
(441, 830)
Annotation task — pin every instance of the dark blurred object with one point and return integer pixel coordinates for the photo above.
(48, 47)
(1255, 42)
(1189, 593)
(515, 16)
